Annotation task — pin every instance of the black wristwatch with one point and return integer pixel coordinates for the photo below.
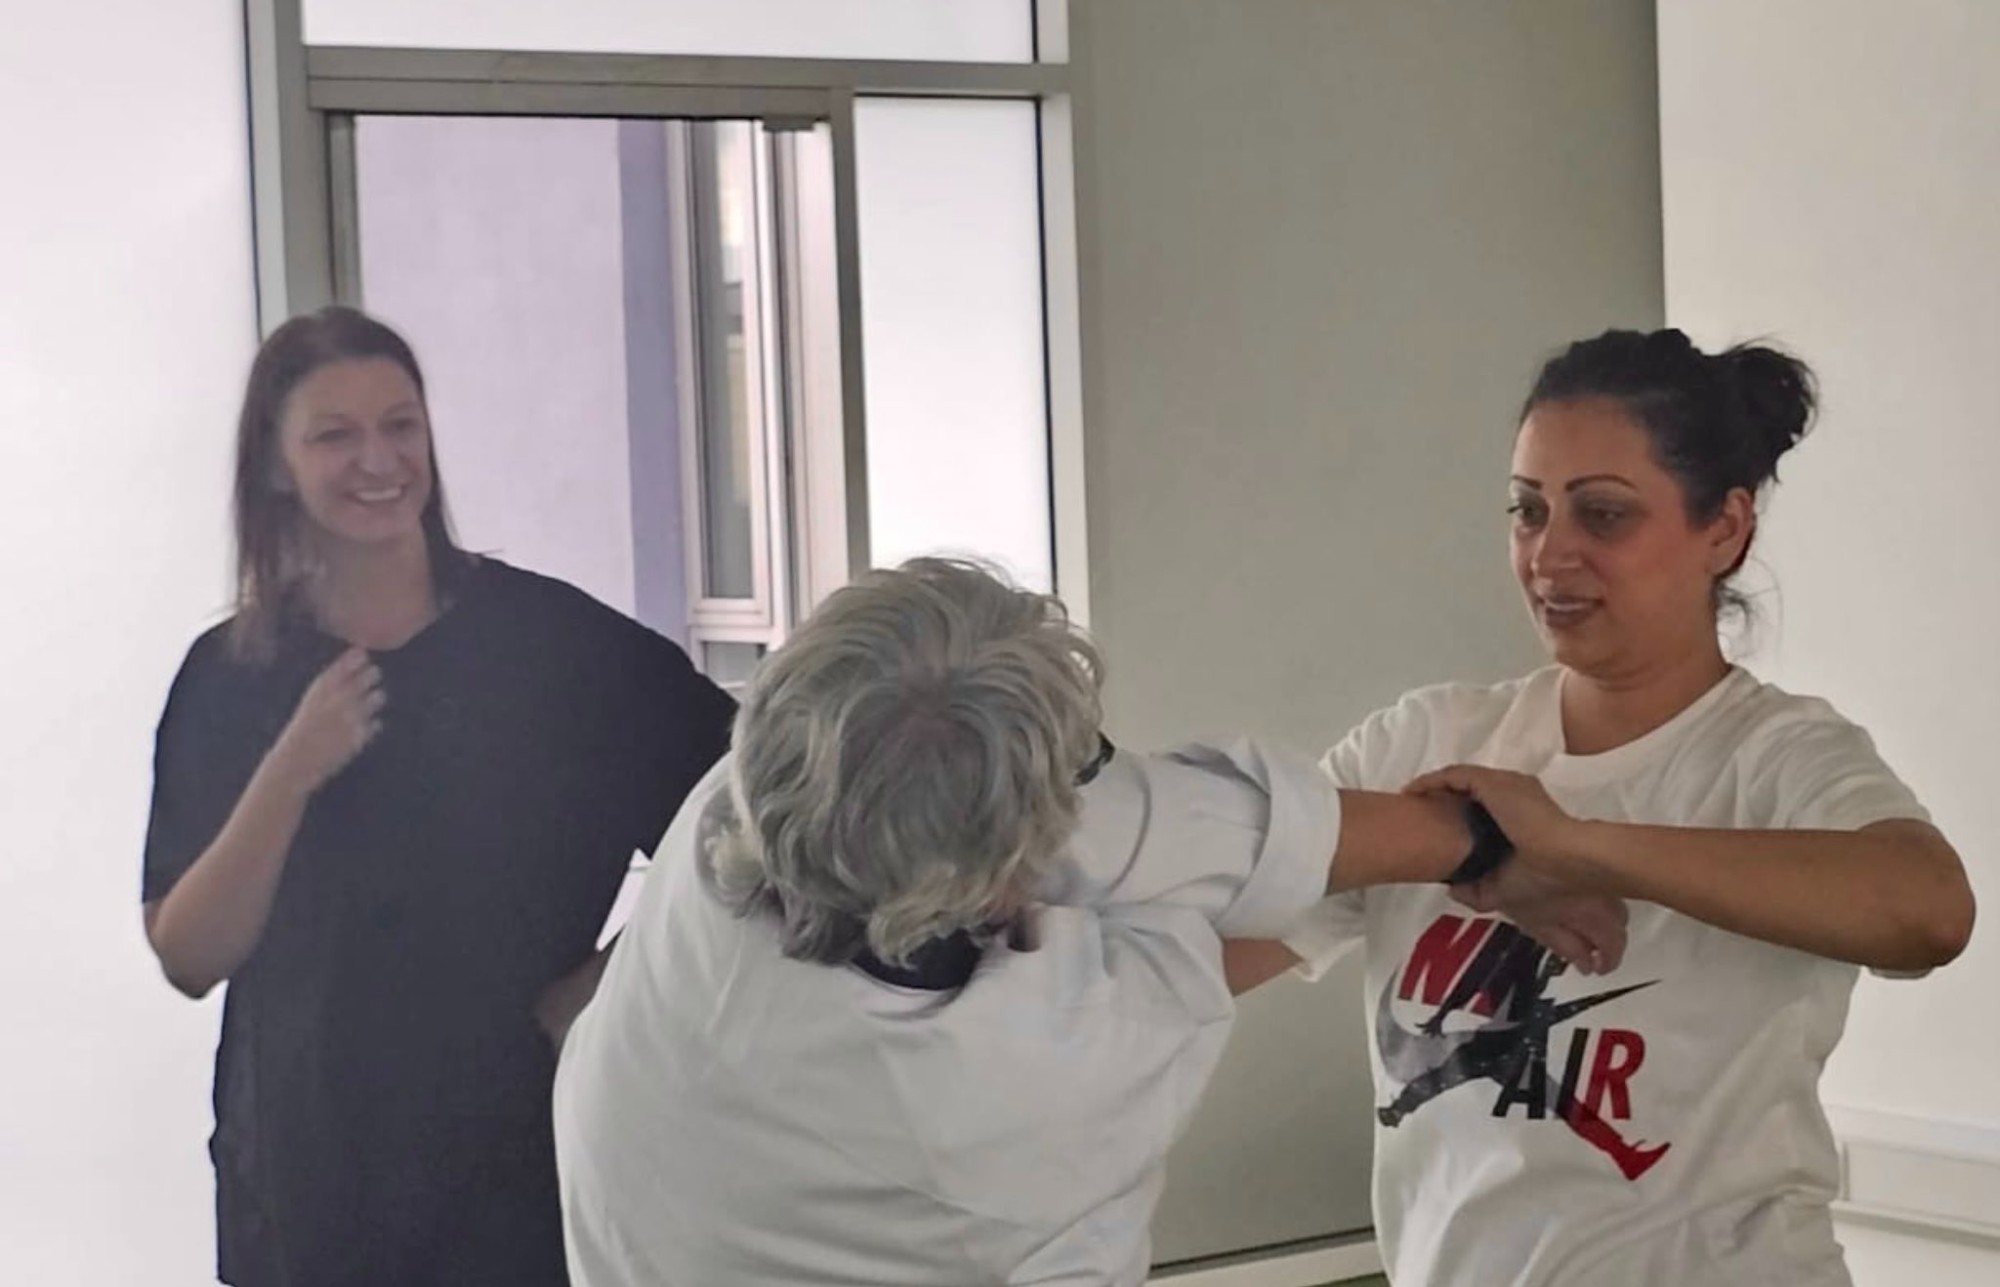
(1490, 847)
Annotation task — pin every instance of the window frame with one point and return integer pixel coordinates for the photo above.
(694, 273)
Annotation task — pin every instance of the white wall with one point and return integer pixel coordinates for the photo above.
(126, 323)
(1831, 169)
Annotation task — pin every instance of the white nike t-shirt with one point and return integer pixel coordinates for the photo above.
(1657, 1125)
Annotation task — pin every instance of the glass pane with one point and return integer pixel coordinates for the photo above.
(505, 251)
(725, 252)
(730, 664)
(924, 30)
(951, 295)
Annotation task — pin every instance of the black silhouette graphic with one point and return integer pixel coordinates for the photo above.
(1507, 980)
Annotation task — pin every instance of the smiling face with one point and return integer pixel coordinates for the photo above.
(1619, 577)
(354, 448)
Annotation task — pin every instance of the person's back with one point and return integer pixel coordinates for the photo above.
(769, 1120)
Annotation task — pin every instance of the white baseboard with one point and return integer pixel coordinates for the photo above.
(1919, 1173)
(1330, 1263)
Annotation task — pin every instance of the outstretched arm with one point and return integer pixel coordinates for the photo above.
(1891, 896)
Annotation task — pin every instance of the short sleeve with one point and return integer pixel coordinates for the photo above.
(198, 773)
(1823, 773)
(1328, 931)
(1382, 753)
(1426, 729)
(671, 726)
(1242, 835)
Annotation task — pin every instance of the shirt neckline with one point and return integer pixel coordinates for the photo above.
(1620, 761)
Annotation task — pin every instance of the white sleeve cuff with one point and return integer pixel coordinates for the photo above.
(1291, 868)
(1325, 934)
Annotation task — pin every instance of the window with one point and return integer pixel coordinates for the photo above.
(744, 340)
(602, 308)
(951, 305)
(704, 334)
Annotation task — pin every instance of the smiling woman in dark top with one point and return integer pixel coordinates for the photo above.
(394, 797)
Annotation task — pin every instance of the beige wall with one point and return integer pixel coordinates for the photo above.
(1323, 248)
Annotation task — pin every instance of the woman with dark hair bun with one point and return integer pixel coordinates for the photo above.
(394, 797)
(1658, 1121)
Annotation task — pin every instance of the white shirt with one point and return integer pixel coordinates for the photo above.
(725, 1115)
(1657, 1125)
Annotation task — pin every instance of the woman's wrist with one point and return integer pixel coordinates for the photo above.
(281, 778)
(1589, 854)
(1488, 847)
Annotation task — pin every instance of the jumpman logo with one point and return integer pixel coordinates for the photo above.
(1507, 980)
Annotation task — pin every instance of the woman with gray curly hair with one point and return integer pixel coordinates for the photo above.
(928, 978)
(907, 764)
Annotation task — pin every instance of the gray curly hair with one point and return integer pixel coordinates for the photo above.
(905, 767)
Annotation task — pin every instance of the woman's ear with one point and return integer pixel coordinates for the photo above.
(1731, 531)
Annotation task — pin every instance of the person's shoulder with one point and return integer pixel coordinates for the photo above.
(1462, 708)
(562, 625)
(210, 676)
(1757, 707)
(1425, 728)
(213, 652)
(496, 580)
(1762, 726)
(536, 596)
(1465, 699)
(1818, 767)
(213, 645)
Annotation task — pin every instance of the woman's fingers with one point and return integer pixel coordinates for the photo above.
(1568, 945)
(1463, 779)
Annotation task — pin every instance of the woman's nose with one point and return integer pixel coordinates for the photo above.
(1555, 548)
(378, 456)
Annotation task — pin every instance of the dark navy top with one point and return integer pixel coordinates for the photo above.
(381, 1089)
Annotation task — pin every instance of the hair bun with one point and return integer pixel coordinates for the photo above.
(1776, 396)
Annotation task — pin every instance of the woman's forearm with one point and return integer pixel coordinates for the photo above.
(1388, 839)
(208, 924)
(1250, 963)
(562, 1001)
(1890, 896)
